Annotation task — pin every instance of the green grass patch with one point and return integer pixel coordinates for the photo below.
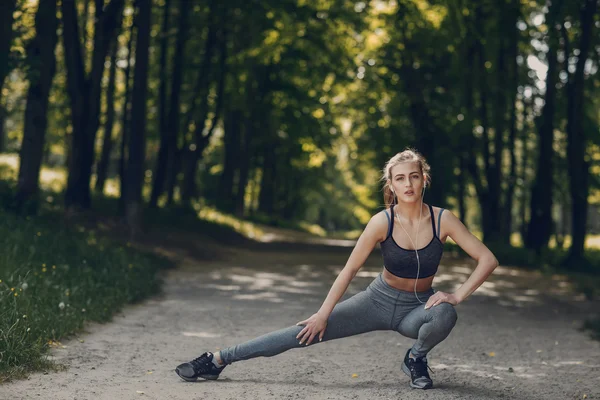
(54, 279)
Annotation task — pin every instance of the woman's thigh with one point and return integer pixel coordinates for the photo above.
(443, 314)
(358, 314)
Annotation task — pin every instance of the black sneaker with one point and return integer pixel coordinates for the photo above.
(201, 367)
(417, 370)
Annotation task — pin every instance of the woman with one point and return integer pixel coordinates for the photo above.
(400, 298)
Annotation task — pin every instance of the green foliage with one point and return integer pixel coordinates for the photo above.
(55, 279)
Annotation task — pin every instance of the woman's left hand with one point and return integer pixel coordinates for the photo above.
(441, 297)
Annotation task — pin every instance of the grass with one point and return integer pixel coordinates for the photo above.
(54, 279)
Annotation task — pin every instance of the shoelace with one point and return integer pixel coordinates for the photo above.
(201, 363)
(417, 366)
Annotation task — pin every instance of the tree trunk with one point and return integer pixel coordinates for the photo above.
(173, 161)
(540, 222)
(189, 178)
(203, 83)
(266, 201)
(2, 127)
(107, 142)
(161, 159)
(513, 38)
(85, 92)
(576, 142)
(489, 205)
(243, 168)
(232, 145)
(502, 94)
(7, 8)
(137, 139)
(125, 114)
(522, 174)
(42, 66)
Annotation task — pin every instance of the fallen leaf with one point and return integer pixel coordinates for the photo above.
(355, 375)
(149, 372)
(492, 354)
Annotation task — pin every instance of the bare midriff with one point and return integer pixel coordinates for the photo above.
(407, 284)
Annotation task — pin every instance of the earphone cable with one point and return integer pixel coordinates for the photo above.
(415, 244)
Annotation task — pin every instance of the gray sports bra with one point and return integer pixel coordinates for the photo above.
(403, 262)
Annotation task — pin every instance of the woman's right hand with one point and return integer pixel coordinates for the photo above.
(314, 325)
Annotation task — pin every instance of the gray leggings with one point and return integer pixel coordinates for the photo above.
(379, 307)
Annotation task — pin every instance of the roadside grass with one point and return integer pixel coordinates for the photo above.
(54, 278)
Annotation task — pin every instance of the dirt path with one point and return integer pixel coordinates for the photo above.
(516, 338)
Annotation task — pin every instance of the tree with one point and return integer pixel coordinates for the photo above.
(42, 66)
(107, 140)
(161, 160)
(137, 139)
(85, 92)
(578, 165)
(540, 223)
(171, 167)
(7, 9)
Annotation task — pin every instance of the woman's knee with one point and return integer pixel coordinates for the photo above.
(444, 314)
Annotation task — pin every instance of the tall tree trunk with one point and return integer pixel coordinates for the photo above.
(85, 92)
(502, 94)
(107, 141)
(202, 140)
(173, 161)
(42, 66)
(84, 23)
(126, 116)
(2, 127)
(161, 159)
(243, 168)
(523, 167)
(540, 223)
(137, 139)
(466, 134)
(7, 9)
(489, 205)
(578, 165)
(266, 201)
(513, 38)
(231, 142)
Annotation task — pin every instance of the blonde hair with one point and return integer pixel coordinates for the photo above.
(408, 155)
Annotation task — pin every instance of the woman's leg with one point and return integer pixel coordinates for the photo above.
(429, 327)
(358, 314)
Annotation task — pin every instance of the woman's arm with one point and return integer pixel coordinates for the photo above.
(373, 233)
(486, 261)
(364, 246)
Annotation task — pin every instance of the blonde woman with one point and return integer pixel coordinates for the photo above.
(411, 236)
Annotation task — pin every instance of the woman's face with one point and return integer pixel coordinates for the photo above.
(407, 181)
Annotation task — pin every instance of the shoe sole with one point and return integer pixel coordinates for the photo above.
(412, 385)
(207, 377)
